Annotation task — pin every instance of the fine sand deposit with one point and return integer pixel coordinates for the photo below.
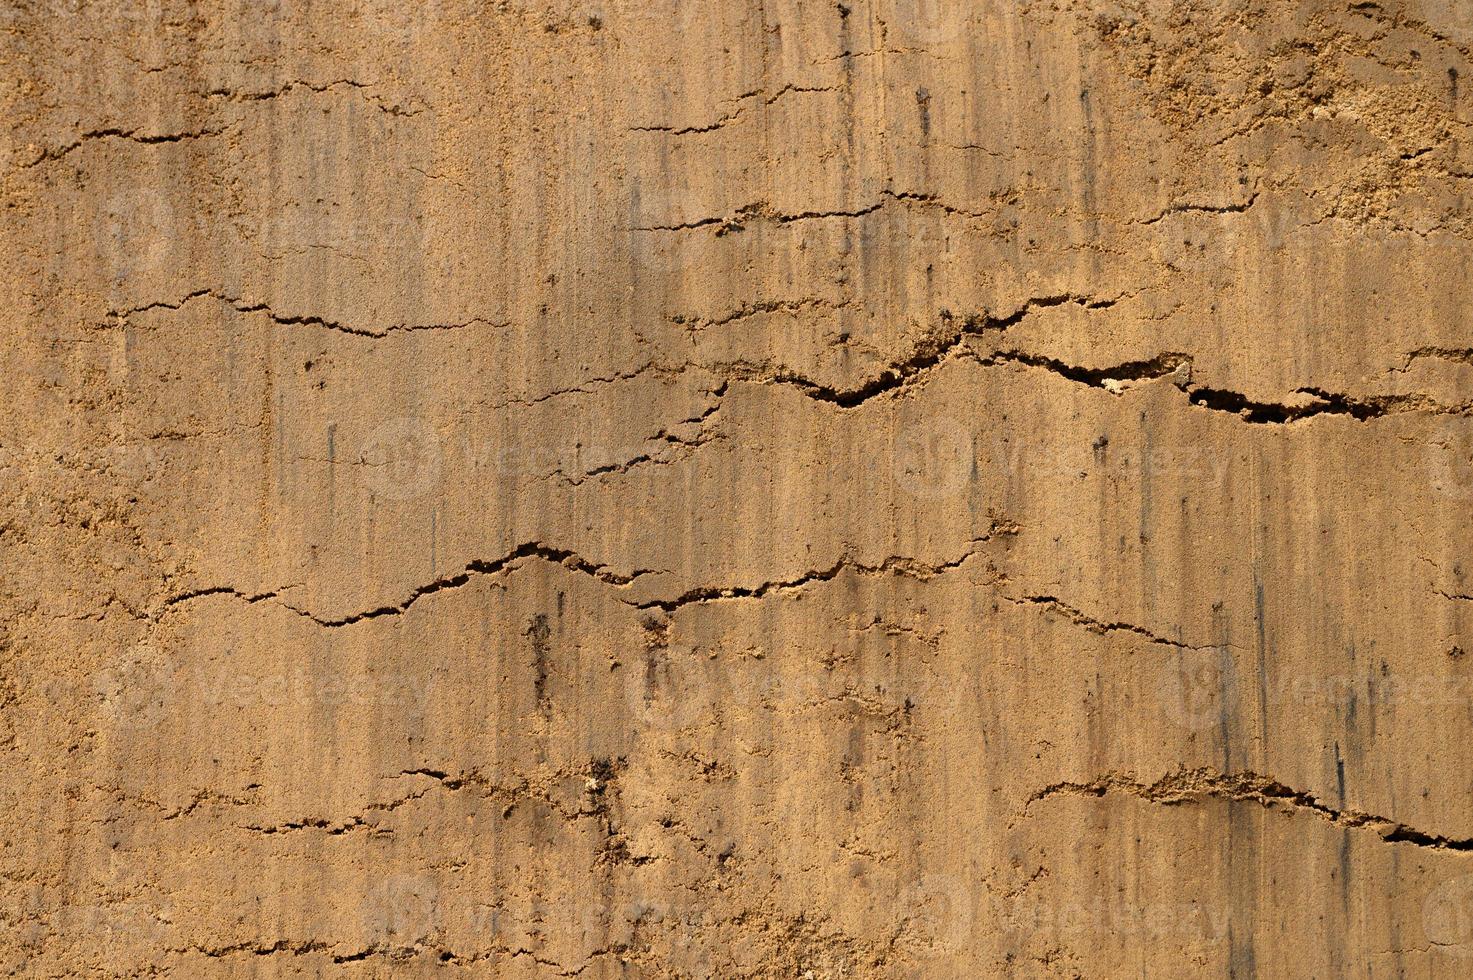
(762, 488)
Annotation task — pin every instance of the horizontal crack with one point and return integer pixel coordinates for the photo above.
(1101, 627)
(331, 828)
(529, 551)
(232, 95)
(1361, 409)
(894, 565)
(696, 323)
(1195, 785)
(394, 953)
(1457, 355)
(1178, 366)
(1203, 209)
(237, 95)
(1113, 379)
(744, 101)
(737, 219)
(132, 135)
(241, 306)
(929, 353)
(532, 550)
(193, 594)
(667, 439)
(281, 946)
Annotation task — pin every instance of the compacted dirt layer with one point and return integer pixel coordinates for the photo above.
(761, 488)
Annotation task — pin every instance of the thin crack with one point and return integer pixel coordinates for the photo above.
(286, 946)
(133, 135)
(737, 219)
(696, 323)
(1187, 208)
(733, 116)
(529, 551)
(1098, 626)
(331, 828)
(152, 139)
(240, 306)
(671, 439)
(235, 95)
(1194, 785)
(894, 565)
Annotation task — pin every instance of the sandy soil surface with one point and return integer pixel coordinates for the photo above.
(765, 488)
